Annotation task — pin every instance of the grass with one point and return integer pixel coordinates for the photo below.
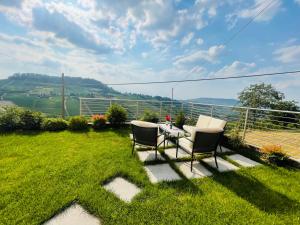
(42, 173)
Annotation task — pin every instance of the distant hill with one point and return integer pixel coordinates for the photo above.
(216, 101)
(43, 92)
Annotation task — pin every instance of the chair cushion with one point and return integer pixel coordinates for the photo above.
(186, 144)
(203, 121)
(189, 129)
(217, 123)
(145, 124)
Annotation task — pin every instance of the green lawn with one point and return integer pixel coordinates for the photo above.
(42, 173)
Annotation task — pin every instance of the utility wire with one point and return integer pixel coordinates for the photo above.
(208, 79)
(230, 39)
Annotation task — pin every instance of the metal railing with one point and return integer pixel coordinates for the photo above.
(257, 127)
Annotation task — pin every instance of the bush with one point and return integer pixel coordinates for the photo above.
(116, 115)
(235, 140)
(30, 120)
(190, 121)
(180, 120)
(150, 116)
(78, 123)
(99, 122)
(274, 154)
(53, 124)
(10, 118)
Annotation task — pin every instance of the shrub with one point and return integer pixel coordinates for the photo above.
(99, 121)
(116, 115)
(30, 120)
(235, 140)
(54, 124)
(190, 121)
(78, 123)
(180, 120)
(150, 116)
(274, 154)
(10, 118)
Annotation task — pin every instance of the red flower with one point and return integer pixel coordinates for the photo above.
(168, 117)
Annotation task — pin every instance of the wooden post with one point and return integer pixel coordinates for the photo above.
(63, 95)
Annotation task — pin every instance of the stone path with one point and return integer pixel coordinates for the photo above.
(161, 172)
(198, 171)
(74, 215)
(243, 161)
(224, 165)
(171, 153)
(123, 189)
(146, 156)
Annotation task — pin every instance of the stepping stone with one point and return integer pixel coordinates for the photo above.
(161, 172)
(199, 171)
(171, 153)
(74, 215)
(146, 156)
(224, 165)
(123, 189)
(224, 150)
(243, 161)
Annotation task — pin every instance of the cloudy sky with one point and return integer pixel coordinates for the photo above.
(154, 40)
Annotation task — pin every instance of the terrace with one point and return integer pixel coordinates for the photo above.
(91, 177)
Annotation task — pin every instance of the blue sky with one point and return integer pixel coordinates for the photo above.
(154, 40)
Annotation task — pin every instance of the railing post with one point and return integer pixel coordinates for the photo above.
(245, 124)
(160, 108)
(137, 110)
(211, 111)
(109, 103)
(192, 107)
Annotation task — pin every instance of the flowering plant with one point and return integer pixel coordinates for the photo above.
(168, 118)
(99, 121)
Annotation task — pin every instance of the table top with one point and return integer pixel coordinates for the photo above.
(175, 131)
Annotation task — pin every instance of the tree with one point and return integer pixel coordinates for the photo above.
(260, 96)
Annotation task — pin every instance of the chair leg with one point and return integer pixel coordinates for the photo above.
(177, 149)
(220, 148)
(216, 159)
(156, 153)
(192, 162)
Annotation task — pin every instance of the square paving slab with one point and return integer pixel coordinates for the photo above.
(74, 215)
(161, 172)
(224, 150)
(199, 171)
(243, 161)
(222, 163)
(146, 156)
(123, 189)
(171, 153)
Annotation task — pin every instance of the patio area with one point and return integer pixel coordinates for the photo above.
(80, 173)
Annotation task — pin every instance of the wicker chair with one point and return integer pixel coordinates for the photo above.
(205, 140)
(146, 134)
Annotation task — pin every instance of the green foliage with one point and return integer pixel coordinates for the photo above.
(78, 123)
(190, 121)
(54, 124)
(150, 116)
(260, 96)
(180, 120)
(30, 120)
(99, 122)
(235, 139)
(10, 118)
(116, 115)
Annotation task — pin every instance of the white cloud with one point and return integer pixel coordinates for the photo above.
(236, 68)
(187, 39)
(209, 55)
(266, 10)
(289, 54)
(199, 41)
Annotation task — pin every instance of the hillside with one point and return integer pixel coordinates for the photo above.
(43, 93)
(216, 101)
